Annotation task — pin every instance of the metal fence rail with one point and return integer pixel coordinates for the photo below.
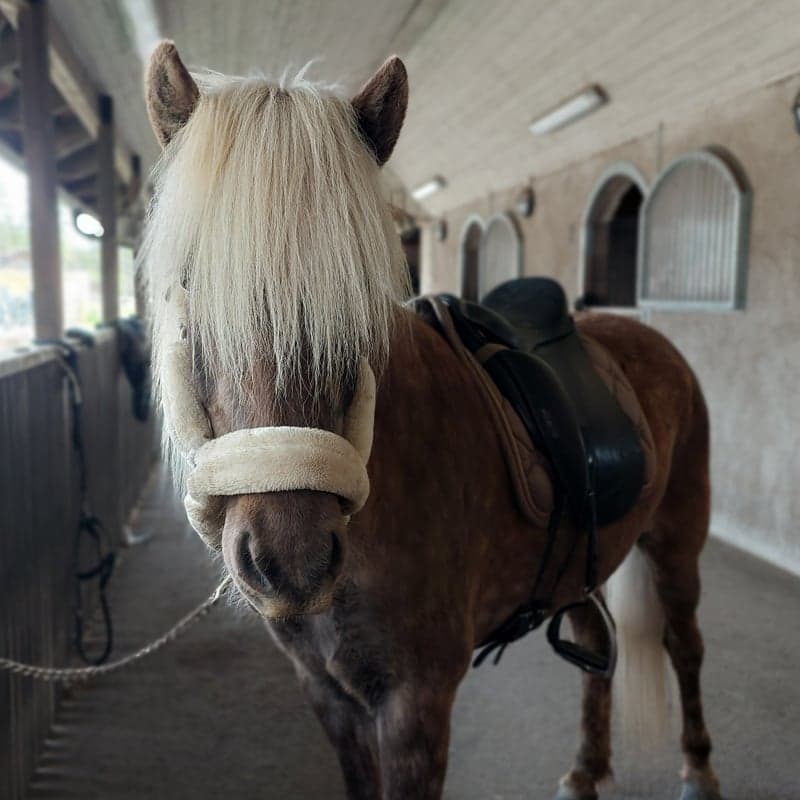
(38, 517)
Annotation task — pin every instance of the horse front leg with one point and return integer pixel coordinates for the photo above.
(352, 731)
(413, 738)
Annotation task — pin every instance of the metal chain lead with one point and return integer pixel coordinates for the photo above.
(69, 675)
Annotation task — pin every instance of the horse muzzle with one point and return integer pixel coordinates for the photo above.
(284, 568)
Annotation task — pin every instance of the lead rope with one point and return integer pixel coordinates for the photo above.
(74, 674)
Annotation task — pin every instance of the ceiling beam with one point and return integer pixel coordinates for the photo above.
(71, 136)
(79, 164)
(11, 114)
(81, 186)
(71, 79)
(89, 186)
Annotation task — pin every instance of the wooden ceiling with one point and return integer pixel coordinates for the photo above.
(480, 72)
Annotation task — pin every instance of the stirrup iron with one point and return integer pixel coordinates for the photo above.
(593, 663)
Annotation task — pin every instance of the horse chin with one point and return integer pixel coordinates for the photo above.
(276, 608)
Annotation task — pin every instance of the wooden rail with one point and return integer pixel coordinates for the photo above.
(38, 518)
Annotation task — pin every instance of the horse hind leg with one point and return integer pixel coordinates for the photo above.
(678, 586)
(673, 548)
(593, 759)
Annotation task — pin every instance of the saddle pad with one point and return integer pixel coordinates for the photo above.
(528, 467)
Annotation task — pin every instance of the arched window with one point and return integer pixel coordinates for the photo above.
(695, 227)
(502, 253)
(610, 238)
(470, 257)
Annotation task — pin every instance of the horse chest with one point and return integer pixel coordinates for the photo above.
(338, 649)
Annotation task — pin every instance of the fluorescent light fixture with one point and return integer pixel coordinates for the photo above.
(88, 225)
(428, 188)
(583, 103)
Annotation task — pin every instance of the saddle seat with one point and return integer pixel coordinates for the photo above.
(571, 397)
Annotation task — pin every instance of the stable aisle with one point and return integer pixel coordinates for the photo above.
(219, 713)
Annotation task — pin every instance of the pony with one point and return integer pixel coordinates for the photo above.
(268, 210)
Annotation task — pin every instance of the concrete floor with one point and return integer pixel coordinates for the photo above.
(219, 715)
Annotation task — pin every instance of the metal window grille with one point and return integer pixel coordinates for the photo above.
(693, 239)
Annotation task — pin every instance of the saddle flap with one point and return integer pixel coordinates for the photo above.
(537, 395)
(529, 469)
(534, 318)
(612, 442)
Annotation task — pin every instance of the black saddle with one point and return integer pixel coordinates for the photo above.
(594, 450)
(548, 378)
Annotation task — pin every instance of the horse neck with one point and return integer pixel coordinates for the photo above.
(424, 392)
(432, 433)
(432, 411)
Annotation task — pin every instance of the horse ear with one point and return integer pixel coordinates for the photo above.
(381, 107)
(170, 91)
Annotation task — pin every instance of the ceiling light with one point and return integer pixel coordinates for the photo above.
(88, 225)
(428, 188)
(570, 110)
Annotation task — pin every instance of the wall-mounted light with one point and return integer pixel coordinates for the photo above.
(88, 225)
(583, 103)
(428, 188)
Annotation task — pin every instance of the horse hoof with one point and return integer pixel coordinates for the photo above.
(691, 791)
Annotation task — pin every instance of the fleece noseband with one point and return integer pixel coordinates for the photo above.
(256, 460)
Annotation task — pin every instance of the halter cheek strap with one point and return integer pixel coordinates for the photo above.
(256, 460)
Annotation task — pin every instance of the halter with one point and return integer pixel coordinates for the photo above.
(256, 460)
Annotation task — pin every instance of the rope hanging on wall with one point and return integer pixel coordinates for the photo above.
(90, 529)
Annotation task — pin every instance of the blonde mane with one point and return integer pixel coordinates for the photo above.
(268, 209)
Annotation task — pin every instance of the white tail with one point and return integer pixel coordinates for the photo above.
(641, 686)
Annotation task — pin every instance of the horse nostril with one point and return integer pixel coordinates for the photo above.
(299, 576)
(249, 566)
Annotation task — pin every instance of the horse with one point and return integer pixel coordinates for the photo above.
(268, 212)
